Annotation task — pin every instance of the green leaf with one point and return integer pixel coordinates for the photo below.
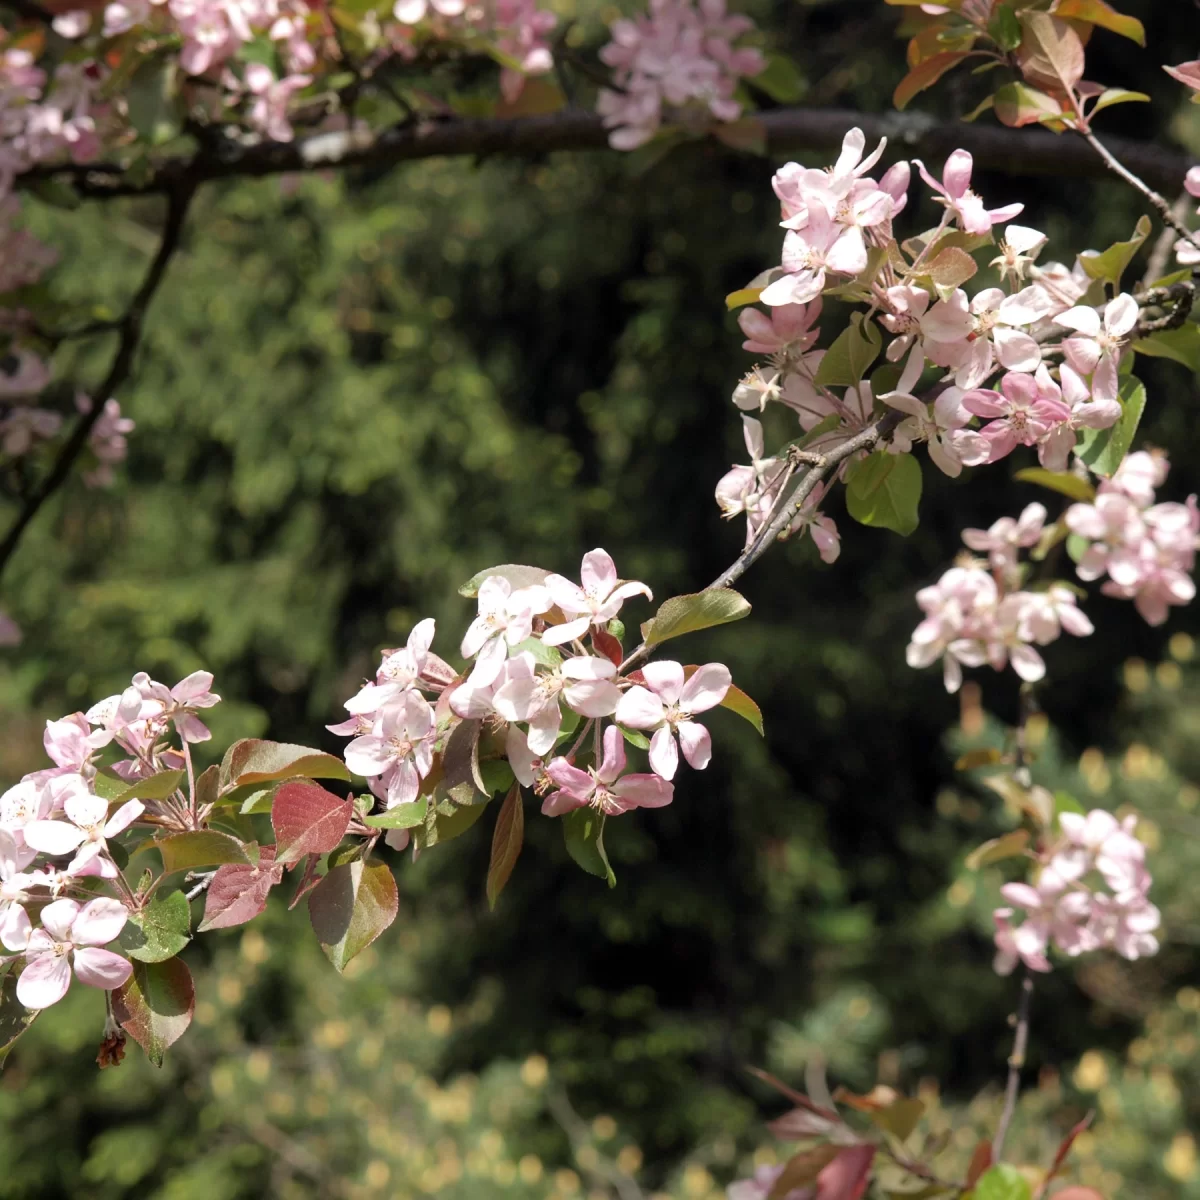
(884, 490)
(351, 907)
(150, 100)
(251, 761)
(634, 738)
(781, 80)
(258, 802)
(154, 1006)
(507, 839)
(1065, 802)
(203, 848)
(1063, 482)
(1104, 15)
(1011, 845)
(516, 574)
(156, 787)
(737, 701)
(851, 355)
(108, 787)
(1002, 1182)
(1111, 96)
(1051, 53)
(900, 1118)
(497, 776)
(1104, 449)
(1017, 104)
(1109, 265)
(400, 816)
(159, 931)
(583, 830)
(742, 297)
(543, 655)
(1077, 546)
(461, 779)
(699, 610)
(1181, 345)
(1004, 29)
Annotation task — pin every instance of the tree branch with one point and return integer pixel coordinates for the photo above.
(1016, 1061)
(1012, 151)
(129, 329)
(30, 10)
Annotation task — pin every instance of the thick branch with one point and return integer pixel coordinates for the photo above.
(1013, 151)
(129, 337)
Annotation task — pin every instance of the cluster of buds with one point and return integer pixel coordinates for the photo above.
(1147, 550)
(544, 657)
(977, 614)
(677, 63)
(1090, 892)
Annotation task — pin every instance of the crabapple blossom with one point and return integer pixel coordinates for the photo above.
(757, 387)
(1019, 248)
(666, 705)
(786, 332)
(1022, 414)
(585, 683)
(505, 619)
(1004, 539)
(398, 750)
(593, 604)
(14, 884)
(964, 205)
(603, 788)
(72, 743)
(84, 832)
(399, 671)
(70, 936)
(22, 427)
(1096, 348)
(676, 62)
(941, 426)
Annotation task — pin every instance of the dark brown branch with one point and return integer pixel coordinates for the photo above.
(1013, 151)
(1016, 1061)
(129, 329)
(29, 10)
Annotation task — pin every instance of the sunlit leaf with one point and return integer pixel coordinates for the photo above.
(160, 931)
(253, 761)
(1011, 845)
(351, 907)
(924, 75)
(238, 893)
(507, 839)
(1064, 482)
(202, 848)
(700, 610)
(307, 820)
(155, 1005)
(516, 575)
(583, 830)
(1104, 449)
(884, 490)
(1104, 15)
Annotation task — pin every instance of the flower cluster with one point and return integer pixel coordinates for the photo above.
(1091, 892)
(543, 658)
(676, 63)
(1033, 364)
(977, 614)
(1147, 550)
(56, 830)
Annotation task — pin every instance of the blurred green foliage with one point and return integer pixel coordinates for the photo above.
(357, 392)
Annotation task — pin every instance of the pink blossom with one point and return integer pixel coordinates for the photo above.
(1096, 348)
(269, 111)
(399, 671)
(1139, 475)
(84, 833)
(69, 936)
(14, 921)
(107, 439)
(603, 788)
(409, 12)
(1187, 73)
(595, 603)
(399, 748)
(21, 428)
(965, 205)
(666, 705)
(24, 374)
(585, 683)
(787, 331)
(941, 426)
(1019, 249)
(1005, 538)
(823, 245)
(505, 619)
(72, 743)
(1024, 415)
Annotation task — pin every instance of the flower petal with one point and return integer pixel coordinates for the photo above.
(696, 744)
(98, 922)
(101, 968)
(664, 753)
(44, 981)
(706, 688)
(53, 837)
(640, 708)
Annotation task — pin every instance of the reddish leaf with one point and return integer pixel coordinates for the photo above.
(1077, 1193)
(254, 761)
(154, 1006)
(1017, 105)
(794, 1096)
(925, 74)
(981, 1159)
(1051, 53)
(307, 820)
(1064, 1149)
(800, 1170)
(238, 893)
(604, 643)
(1100, 13)
(351, 907)
(846, 1178)
(506, 843)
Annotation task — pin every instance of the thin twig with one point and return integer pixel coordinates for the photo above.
(576, 1130)
(1016, 1061)
(1115, 165)
(130, 335)
(1156, 264)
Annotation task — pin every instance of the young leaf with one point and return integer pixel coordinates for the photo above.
(400, 816)
(307, 820)
(1011, 845)
(1110, 265)
(159, 931)
(924, 75)
(1104, 449)
(742, 297)
(154, 1006)
(507, 838)
(1104, 15)
(238, 893)
(1051, 53)
(460, 762)
(884, 490)
(202, 848)
(699, 610)
(351, 907)
(851, 355)
(1016, 105)
(984, 756)
(251, 760)
(900, 1117)
(1004, 29)
(583, 831)
(516, 574)
(951, 268)
(1111, 96)
(1002, 1182)
(1180, 345)
(156, 787)
(735, 700)
(497, 776)
(108, 787)
(801, 1170)
(15, 1018)
(1063, 482)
